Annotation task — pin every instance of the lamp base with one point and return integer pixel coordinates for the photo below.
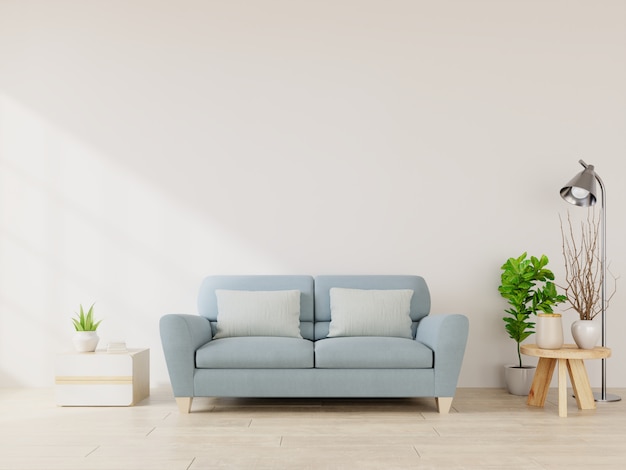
(608, 397)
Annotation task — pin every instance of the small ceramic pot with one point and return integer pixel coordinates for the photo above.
(518, 380)
(85, 341)
(586, 333)
(549, 331)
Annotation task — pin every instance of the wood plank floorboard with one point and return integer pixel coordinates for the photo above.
(486, 429)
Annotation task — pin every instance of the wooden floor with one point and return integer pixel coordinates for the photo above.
(486, 429)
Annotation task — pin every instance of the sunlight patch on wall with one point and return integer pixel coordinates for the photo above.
(77, 228)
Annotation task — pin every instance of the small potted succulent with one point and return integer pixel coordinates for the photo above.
(85, 338)
(527, 285)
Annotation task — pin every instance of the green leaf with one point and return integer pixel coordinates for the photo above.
(85, 322)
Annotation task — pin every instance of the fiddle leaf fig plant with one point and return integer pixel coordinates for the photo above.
(527, 285)
(84, 321)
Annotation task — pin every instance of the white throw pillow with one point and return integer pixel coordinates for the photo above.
(358, 312)
(258, 313)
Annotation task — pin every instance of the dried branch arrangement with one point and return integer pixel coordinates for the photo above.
(583, 267)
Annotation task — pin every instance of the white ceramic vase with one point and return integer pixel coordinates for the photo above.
(518, 380)
(549, 331)
(85, 341)
(586, 333)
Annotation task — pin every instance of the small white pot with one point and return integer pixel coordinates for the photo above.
(549, 331)
(518, 380)
(586, 333)
(85, 341)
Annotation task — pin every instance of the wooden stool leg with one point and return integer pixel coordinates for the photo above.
(563, 388)
(580, 384)
(541, 382)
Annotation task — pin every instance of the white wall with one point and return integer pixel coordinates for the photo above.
(145, 144)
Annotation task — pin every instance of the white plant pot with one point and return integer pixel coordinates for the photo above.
(586, 333)
(85, 341)
(549, 331)
(519, 379)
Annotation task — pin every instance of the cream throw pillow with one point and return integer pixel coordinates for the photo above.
(358, 312)
(258, 313)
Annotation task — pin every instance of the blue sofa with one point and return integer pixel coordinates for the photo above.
(427, 364)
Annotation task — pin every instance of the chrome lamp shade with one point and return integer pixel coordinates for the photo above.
(581, 190)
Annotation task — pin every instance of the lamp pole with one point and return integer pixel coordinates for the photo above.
(603, 397)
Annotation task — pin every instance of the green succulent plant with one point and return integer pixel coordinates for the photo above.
(84, 321)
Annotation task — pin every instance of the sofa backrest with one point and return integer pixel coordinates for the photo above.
(314, 295)
(207, 301)
(420, 302)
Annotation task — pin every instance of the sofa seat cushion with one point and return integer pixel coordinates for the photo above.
(372, 352)
(256, 352)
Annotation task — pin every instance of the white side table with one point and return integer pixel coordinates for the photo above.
(103, 378)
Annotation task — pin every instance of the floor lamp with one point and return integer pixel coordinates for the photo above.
(581, 191)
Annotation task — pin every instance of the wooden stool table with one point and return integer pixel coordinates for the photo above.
(570, 359)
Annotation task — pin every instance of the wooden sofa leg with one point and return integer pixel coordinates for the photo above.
(443, 404)
(184, 404)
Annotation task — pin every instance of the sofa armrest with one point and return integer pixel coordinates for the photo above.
(446, 335)
(181, 336)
